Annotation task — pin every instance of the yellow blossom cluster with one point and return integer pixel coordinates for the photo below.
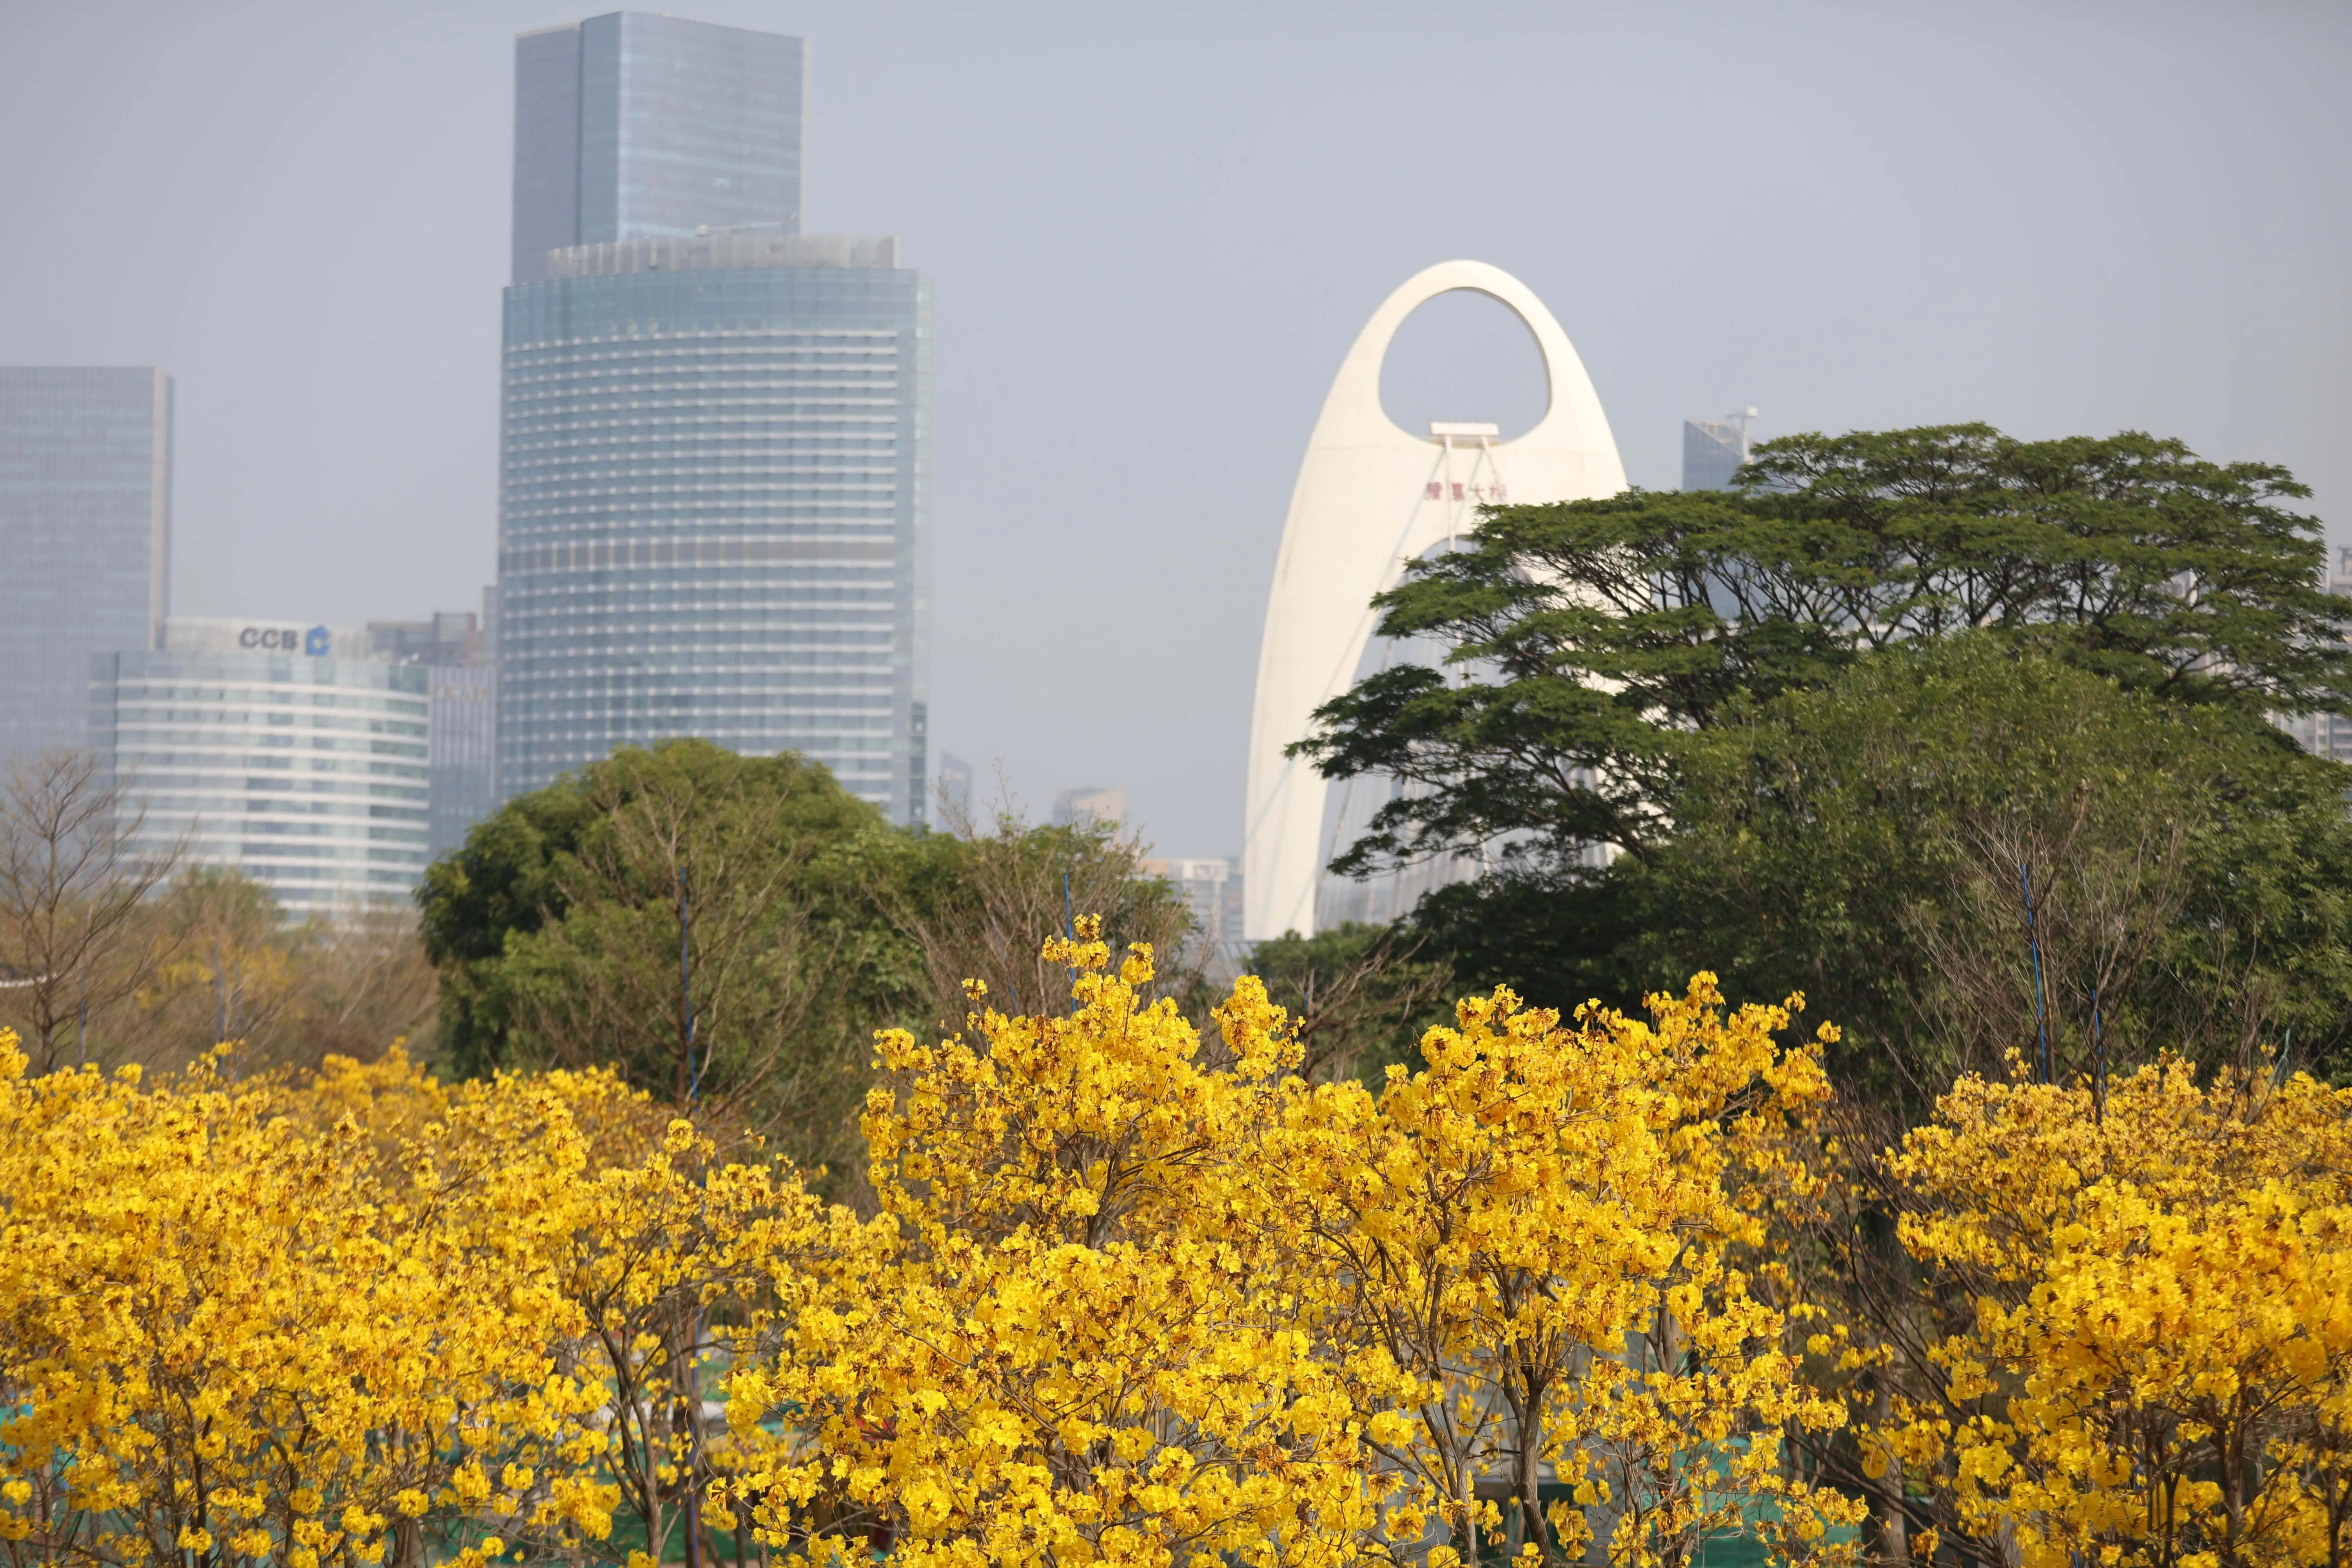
(2159, 1368)
(368, 1314)
(1134, 1299)
(1126, 1292)
(234, 1332)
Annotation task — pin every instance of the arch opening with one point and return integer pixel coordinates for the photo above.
(1465, 356)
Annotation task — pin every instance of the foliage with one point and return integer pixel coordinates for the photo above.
(233, 1336)
(1540, 1252)
(501, 882)
(2160, 1366)
(1873, 844)
(112, 954)
(567, 927)
(980, 902)
(1592, 641)
(313, 1321)
(226, 965)
(694, 918)
(1069, 1341)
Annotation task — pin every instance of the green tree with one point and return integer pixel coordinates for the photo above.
(1823, 731)
(1592, 641)
(499, 884)
(1954, 852)
(698, 919)
(979, 904)
(567, 926)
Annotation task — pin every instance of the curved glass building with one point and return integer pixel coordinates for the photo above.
(713, 506)
(280, 750)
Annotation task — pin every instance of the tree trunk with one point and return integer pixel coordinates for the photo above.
(1893, 1525)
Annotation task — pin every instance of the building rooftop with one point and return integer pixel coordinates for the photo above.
(726, 248)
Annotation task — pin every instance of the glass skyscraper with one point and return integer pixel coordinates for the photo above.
(712, 508)
(631, 124)
(713, 459)
(85, 538)
(461, 750)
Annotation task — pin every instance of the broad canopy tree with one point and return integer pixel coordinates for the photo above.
(1632, 677)
(692, 917)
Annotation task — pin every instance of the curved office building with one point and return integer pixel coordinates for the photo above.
(1369, 496)
(712, 508)
(280, 750)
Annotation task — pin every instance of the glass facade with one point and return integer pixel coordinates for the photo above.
(462, 696)
(308, 775)
(1210, 891)
(631, 124)
(1712, 453)
(2327, 734)
(85, 537)
(712, 508)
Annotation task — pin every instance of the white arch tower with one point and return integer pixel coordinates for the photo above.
(1370, 497)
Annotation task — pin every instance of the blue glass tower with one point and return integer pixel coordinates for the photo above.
(85, 537)
(713, 471)
(629, 125)
(713, 506)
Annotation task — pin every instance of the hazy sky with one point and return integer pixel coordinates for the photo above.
(1153, 231)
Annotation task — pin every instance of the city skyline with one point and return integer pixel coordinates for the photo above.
(1130, 383)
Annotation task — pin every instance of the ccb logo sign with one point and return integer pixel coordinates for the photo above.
(317, 642)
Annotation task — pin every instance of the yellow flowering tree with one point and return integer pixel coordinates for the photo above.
(1072, 1337)
(230, 1337)
(1535, 1252)
(659, 1250)
(667, 1262)
(2159, 1367)
(1134, 1299)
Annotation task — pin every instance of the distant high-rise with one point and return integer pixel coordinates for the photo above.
(1090, 805)
(712, 508)
(1712, 452)
(461, 695)
(2328, 734)
(955, 790)
(630, 125)
(1210, 891)
(283, 750)
(85, 538)
(713, 472)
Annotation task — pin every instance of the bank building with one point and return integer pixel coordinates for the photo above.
(283, 749)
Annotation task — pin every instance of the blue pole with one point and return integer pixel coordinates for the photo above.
(2033, 945)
